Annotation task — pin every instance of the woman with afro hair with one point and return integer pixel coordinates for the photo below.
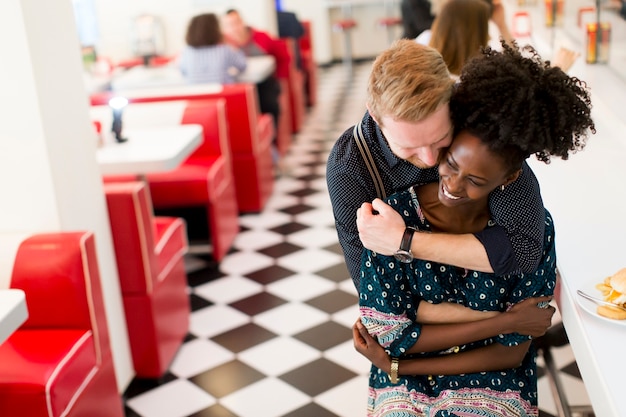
(446, 341)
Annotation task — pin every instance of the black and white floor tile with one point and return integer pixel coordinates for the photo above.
(270, 328)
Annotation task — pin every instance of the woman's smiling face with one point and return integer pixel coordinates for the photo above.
(469, 171)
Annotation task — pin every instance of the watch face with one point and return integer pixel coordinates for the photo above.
(403, 256)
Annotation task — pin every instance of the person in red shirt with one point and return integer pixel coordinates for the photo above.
(254, 42)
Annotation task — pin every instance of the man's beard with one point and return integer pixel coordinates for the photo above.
(415, 161)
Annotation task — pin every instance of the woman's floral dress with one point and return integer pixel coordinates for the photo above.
(389, 295)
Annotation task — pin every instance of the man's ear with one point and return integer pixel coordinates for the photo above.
(367, 106)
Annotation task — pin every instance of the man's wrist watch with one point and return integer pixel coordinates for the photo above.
(404, 253)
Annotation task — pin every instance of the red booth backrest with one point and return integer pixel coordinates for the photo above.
(130, 215)
(242, 110)
(210, 114)
(305, 41)
(59, 274)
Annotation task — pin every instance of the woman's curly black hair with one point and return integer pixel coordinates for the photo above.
(519, 105)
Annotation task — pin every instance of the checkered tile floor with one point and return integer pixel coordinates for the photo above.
(270, 329)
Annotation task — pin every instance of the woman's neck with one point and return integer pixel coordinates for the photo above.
(466, 218)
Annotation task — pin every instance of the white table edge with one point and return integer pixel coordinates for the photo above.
(572, 316)
(13, 311)
(156, 165)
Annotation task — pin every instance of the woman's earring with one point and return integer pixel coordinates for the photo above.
(502, 187)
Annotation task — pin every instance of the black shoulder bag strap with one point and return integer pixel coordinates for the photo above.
(369, 160)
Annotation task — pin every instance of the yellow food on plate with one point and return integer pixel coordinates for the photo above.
(613, 290)
(612, 312)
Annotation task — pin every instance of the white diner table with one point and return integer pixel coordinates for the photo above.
(146, 77)
(157, 141)
(148, 149)
(344, 3)
(258, 68)
(13, 311)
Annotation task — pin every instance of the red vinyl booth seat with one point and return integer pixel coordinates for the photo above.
(205, 178)
(284, 127)
(308, 64)
(149, 252)
(250, 136)
(296, 92)
(59, 363)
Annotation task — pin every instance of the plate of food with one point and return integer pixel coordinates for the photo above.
(604, 298)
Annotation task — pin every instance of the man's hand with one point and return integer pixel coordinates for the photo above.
(527, 318)
(380, 232)
(367, 346)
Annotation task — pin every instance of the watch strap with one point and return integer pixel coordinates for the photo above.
(407, 238)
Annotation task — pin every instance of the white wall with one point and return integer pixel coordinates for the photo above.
(50, 178)
(115, 18)
(368, 40)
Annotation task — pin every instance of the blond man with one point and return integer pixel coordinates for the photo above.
(405, 128)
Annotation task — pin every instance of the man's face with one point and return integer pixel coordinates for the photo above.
(419, 143)
(234, 28)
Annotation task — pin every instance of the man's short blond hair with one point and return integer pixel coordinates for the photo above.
(408, 82)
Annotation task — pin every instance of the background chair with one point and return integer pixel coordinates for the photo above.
(556, 337)
(149, 252)
(205, 179)
(204, 183)
(390, 21)
(309, 67)
(346, 26)
(59, 362)
(297, 101)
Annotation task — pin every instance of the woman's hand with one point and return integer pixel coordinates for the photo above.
(529, 319)
(367, 346)
(380, 232)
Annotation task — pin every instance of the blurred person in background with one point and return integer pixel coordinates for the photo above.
(206, 58)
(289, 26)
(416, 17)
(461, 29)
(254, 42)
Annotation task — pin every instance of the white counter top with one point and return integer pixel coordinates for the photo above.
(586, 196)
